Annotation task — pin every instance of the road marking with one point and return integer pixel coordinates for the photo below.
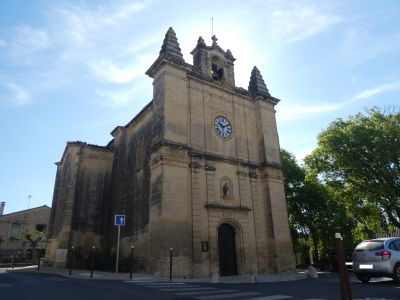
(88, 275)
(273, 297)
(228, 296)
(204, 292)
(176, 287)
(155, 283)
(183, 289)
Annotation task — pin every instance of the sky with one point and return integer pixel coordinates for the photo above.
(74, 70)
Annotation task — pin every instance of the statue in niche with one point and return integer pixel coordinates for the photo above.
(225, 191)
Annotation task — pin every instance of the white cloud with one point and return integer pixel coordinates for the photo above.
(123, 96)
(14, 93)
(113, 73)
(28, 40)
(121, 73)
(360, 45)
(386, 87)
(3, 43)
(299, 111)
(298, 21)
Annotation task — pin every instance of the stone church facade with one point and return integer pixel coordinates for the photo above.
(198, 170)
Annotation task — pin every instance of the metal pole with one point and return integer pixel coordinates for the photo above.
(91, 262)
(116, 263)
(132, 260)
(345, 290)
(13, 262)
(38, 265)
(170, 264)
(70, 257)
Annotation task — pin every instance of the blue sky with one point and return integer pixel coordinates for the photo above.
(74, 70)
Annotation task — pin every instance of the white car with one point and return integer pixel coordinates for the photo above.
(377, 258)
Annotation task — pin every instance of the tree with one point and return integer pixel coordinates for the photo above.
(362, 154)
(308, 203)
(34, 237)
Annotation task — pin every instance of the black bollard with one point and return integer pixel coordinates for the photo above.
(38, 264)
(345, 288)
(132, 261)
(91, 262)
(70, 257)
(13, 262)
(170, 264)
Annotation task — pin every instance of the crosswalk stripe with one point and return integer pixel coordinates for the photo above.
(204, 292)
(183, 289)
(170, 286)
(234, 295)
(273, 297)
(159, 283)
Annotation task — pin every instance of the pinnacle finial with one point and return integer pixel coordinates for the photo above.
(200, 41)
(214, 39)
(257, 85)
(170, 47)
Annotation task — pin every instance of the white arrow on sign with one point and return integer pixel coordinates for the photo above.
(121, 220)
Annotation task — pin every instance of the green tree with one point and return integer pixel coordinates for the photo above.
(308, 203)
(362, 155)
(34, 237)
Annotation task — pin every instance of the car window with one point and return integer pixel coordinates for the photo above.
(370, 245)
(397, 243)
(393, 246)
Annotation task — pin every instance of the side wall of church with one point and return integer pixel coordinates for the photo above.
(91, 197)
(78, 201)
(130, 186)
(62, 206)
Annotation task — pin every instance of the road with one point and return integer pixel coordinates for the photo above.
(15, 286)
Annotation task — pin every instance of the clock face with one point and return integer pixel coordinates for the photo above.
(223, 127)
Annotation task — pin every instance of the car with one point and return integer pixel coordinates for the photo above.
(330, 262)
(377, 258)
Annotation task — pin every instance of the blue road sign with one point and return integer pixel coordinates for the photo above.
(119, 220)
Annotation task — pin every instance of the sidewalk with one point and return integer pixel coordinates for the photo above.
(85, 274)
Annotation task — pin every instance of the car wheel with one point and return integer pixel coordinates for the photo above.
(396, 273)
(364, 277)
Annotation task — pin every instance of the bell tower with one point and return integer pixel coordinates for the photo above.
(213, 62)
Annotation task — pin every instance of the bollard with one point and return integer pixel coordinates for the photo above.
(70, 257)
(13, 262)
(91, 262)
(345, 289)
(38, 265)
(170, 264)
(132, 261)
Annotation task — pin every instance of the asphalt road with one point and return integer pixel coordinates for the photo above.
(43, 287)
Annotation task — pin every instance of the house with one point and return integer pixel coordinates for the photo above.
(14, 225)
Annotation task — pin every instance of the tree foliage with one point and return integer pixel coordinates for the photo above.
(34, 237)
(362, 155)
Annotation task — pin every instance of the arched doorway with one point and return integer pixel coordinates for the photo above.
(227, 250)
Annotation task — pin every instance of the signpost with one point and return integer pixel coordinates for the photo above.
(119, 220)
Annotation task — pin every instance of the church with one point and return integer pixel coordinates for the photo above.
(198, 170)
